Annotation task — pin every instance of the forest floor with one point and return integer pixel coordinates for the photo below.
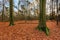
(27, 31)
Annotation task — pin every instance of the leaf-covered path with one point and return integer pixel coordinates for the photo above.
(27, 31)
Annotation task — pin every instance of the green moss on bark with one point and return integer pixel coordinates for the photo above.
(11, 13)
(42, 17)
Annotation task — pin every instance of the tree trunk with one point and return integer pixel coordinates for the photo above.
(11, 13)
(57, 10)
(52, 10)
(18, 7)
(42, 17)
(3, 12)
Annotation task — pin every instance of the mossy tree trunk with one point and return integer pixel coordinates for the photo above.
(11, 13)
(42, 17)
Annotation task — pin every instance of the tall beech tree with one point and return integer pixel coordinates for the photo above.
(11, 13)
(42, 17)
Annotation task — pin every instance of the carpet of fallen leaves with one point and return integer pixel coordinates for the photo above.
(27, 31)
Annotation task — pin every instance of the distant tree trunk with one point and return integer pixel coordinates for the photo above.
(11, 13)
(57, 10)
(7, 11)
(3, 11)
(42, 18)
(52, 10)
(18, 7)
(34, 10)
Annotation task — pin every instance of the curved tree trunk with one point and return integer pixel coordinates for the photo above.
(42, 17)
(11, 13)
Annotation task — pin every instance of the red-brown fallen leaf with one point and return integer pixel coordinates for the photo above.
(26, 31)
